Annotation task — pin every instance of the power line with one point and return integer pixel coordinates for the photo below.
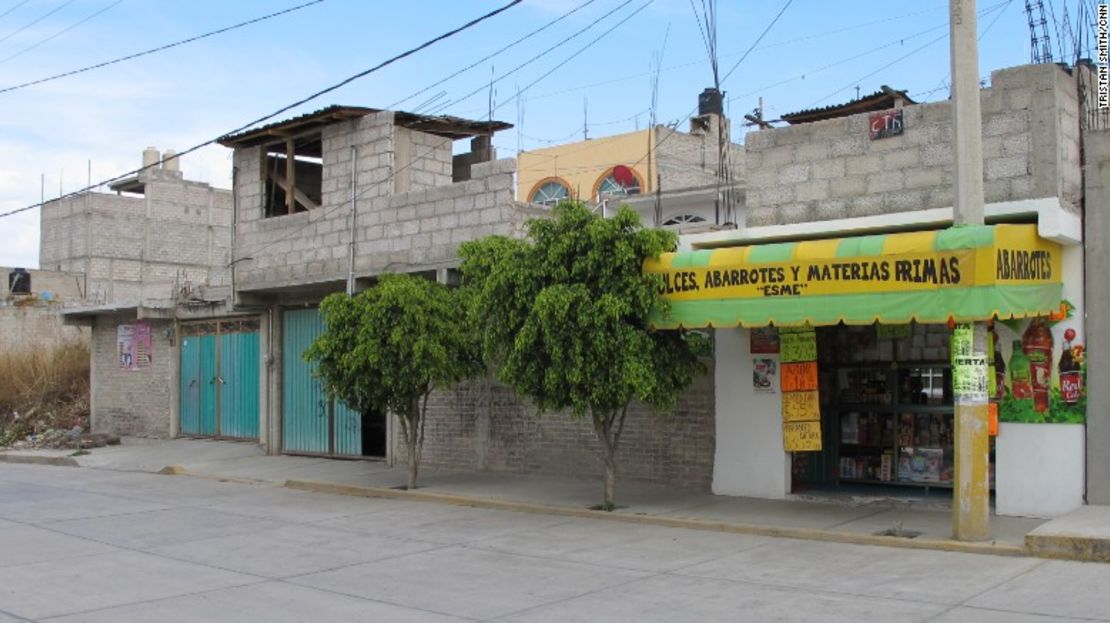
(561, 43)
(36, 20)
(907, 55)
(486, 58)
(159, 48)
(295, 104)
(17, 5)
(756, 42)
(59, 33)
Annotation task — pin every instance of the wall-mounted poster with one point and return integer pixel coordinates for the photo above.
(765, 341)
(765, 374)
(1040, 371)
(133, 346)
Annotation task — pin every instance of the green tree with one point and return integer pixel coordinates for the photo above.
(564, 319)
(388, 347)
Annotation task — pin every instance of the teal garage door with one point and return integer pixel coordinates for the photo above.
(219, 379)
(311, 422)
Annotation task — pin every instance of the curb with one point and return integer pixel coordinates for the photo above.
(33, 459)
(1068, 547)
(809, 534)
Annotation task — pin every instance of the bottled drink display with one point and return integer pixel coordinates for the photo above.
(1036, 343)
(1071, 381)
(1020, 381)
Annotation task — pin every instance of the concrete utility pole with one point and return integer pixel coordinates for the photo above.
(971, 494)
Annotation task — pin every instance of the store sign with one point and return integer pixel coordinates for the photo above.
(885, 124)
(1015, 256)
(801, 406)
(133, 346)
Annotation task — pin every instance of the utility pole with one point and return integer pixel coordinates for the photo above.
(971, 494)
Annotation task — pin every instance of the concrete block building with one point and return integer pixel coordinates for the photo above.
(30, 308)
(864, 188)
(156, 249)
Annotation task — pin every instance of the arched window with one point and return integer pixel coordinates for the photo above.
(684, 219)
(609, 186)
(550, 193)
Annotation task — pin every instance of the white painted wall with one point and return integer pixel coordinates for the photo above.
(1039, 469)
(749, 459)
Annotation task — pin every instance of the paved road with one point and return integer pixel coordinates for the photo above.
(91, 545)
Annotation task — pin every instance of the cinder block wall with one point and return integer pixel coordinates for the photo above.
(136, 248)
(37, 328)
(830, 169)
(690, 160)
(406, 231)
(483, 425)
(127, 402)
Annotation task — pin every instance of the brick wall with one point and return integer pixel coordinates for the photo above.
(830, 169)
(483, 425)
(127, 402)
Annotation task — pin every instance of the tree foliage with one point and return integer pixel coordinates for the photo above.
(388, 347)
(564, 318)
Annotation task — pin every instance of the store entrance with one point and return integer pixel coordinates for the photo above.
(886, 412)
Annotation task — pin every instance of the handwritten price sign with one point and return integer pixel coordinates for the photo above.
(799, 377)
(801, 436)
(800, 407)
(798, 346)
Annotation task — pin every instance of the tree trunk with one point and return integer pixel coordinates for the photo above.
(610, 483)
(414, 464)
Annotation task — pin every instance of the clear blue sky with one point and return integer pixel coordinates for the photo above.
(181, 97)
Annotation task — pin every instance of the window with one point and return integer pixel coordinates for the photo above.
(550, 193)
(611, 186)
(292, 165)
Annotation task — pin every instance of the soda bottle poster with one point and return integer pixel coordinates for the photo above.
(1040, 371)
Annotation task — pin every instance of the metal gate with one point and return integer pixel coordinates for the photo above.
(219, 379)
(312, 423)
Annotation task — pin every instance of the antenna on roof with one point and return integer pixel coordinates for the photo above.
(585, 119)
(656, 69)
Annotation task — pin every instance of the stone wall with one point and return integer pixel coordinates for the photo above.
(483, 425)
(131, 402)
(136, 248)
(830, 169)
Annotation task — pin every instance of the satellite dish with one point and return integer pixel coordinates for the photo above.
(623, 175)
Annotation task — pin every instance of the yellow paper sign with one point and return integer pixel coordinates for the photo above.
(798, 346)
(801, 436)
(800, 407)
(799, 377)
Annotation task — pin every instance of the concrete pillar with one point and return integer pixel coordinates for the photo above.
(971, 492)
(1096, 225)
(273, 367)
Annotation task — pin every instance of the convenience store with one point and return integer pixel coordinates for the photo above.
(847, 342)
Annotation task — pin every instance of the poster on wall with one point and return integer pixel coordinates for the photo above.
(133, 346)
(1040, 370)
(765, 341)
(765, 375)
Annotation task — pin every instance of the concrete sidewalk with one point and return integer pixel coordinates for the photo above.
(866, 520)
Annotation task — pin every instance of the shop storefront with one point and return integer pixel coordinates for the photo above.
(847, 343)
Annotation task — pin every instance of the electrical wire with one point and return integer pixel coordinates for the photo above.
(512, 71)
(488, 57)
(159, 48)
(293, 105)
(59, 33)
(36, 20)
(17, 5)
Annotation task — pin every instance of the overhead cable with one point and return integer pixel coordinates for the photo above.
(293, 105)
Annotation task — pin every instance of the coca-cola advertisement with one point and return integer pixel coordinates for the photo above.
(1040, 369)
